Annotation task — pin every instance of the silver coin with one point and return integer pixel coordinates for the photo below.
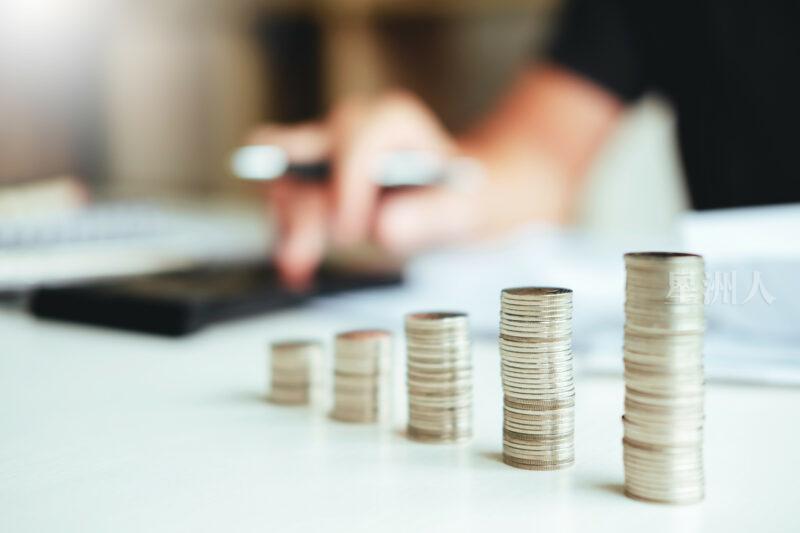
(513, 395)
(529, 427)
(539, 455)
(538, 465)
(669, 461)
(538, 434)
(445, 377)
(539, 458)
(289, 396)
(456, 415)
(535, 293)
(353, 418)
(536, 369)
(662, 479)
(513, 420)
(531, 393)
(507, 317)
(529, 324)
(666, 388)
(441, 384)
(685, 473)
(534, 314)
(534, 334)
(439, 436)
(663, 454)
(539, 405)
(665, 439)
(677, 421)
(664, 379)
(534, 344)
(535, 352)
(554, 390)
(512, 389)
(536, 387)
(522, 416)
(670, 492)
(543, 436)
(552, 456)
(653, 482)
(443, 403)
(445, 395)
(535, 360)
(519, 416)
(438, 350)
(542, 454)
(642, 469)
(667, 370)
(436, 319)
(538, 421)
(512, 304)
(536, 375)
(536, 324)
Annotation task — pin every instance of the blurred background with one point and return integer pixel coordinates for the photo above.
(121, 105)
(147, 99)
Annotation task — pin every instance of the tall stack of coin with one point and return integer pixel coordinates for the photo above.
(664, 384)
(360, 368)
(538, 386)
(292, 364)
(439, 376)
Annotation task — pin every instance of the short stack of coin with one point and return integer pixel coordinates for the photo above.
(538, 387)
(664, 383)
(292, 364)
(360, 369)
(439, 362)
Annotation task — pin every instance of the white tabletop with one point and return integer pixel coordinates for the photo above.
(105, 431)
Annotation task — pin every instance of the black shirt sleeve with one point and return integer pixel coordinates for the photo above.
(597, 39)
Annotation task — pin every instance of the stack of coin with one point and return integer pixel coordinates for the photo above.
(360, 369)
(292, 364)
(439, 377)
(538, 386)
(664, 384)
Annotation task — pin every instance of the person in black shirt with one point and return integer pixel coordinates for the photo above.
(729, 68)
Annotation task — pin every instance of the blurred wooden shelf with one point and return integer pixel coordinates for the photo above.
(347, 8)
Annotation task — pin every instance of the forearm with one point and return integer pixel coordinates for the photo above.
(539, 142)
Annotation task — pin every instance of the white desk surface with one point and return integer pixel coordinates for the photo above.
(111, 432)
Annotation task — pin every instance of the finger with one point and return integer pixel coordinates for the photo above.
(301, 210)
(304, 143)
(353, 192)
(397, 121)
(302, 216)
(410, 221)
